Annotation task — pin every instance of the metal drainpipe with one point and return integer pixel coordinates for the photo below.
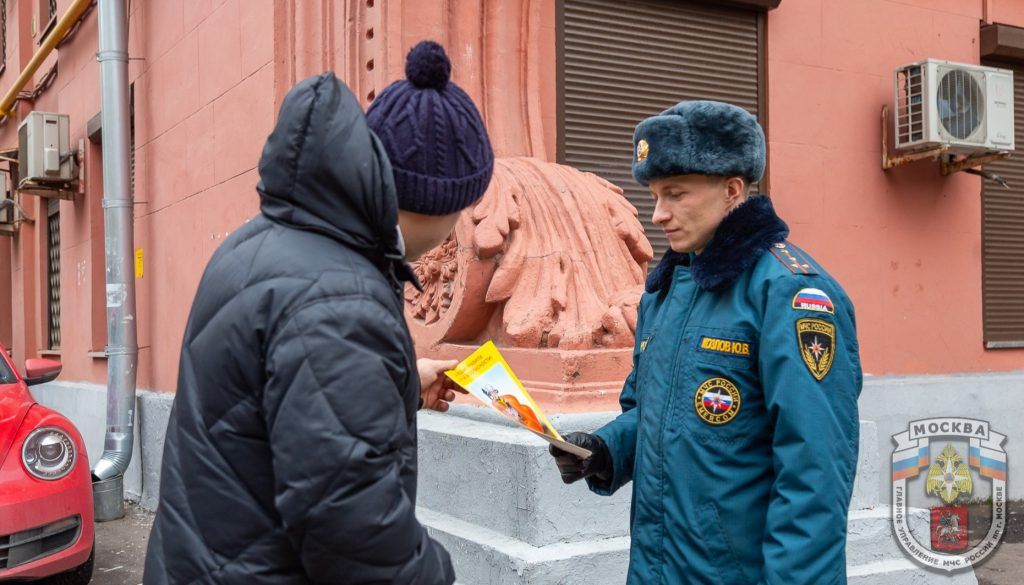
(122, 348)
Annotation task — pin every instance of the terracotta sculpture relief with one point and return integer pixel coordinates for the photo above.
(550, 257)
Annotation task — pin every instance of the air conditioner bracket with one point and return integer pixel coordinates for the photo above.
(947, 163)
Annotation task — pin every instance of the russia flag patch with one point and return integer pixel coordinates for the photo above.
(813, 299)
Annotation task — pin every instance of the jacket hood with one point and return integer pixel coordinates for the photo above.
(738, 243)
(323, 170)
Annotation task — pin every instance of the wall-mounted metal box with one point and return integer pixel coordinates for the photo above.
(45, 159)
(7, 211)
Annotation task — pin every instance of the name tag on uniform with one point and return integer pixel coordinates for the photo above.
(726, 346)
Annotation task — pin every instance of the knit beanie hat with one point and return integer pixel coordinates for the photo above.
(434, 136)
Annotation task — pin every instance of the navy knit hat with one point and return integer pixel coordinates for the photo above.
(702, 138)
(434, 136)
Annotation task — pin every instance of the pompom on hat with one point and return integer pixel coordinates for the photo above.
(435, 138)
(699, 137)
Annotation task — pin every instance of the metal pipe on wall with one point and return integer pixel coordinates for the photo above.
(122, 346)
(75, 11)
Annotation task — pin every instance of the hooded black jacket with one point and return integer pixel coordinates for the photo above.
(291, 449)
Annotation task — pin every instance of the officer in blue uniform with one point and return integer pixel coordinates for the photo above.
(739, 423)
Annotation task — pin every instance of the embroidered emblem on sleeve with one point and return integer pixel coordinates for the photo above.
(817, 341)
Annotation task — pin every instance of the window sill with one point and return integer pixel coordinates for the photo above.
(97, 355)
(55, 352)
(1004, 344)
(47, 30)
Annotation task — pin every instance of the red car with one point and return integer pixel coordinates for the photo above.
(46, 518)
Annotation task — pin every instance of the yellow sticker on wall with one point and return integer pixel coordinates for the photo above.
(138, 263)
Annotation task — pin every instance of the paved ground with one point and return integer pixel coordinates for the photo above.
(1004, 567)
(121, 550)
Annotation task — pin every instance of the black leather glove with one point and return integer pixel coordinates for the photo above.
(573, 468)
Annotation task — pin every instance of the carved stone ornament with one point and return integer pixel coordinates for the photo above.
(550, 257)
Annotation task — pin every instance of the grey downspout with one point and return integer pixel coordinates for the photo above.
(118, 223)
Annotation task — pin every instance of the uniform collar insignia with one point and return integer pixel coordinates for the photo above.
(738, 243)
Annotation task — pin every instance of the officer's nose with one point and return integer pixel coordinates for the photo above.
(660, 215)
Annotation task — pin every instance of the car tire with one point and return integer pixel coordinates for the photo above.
(80, 575)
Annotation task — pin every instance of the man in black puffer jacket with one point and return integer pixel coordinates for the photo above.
(291, 449)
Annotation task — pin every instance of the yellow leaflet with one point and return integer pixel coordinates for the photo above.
(487, 376)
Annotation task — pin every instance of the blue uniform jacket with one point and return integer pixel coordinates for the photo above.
(739, 423)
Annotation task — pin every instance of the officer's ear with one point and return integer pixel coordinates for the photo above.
(735, 189)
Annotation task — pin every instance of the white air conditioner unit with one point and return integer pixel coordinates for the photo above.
(46, 163)
(968, 108)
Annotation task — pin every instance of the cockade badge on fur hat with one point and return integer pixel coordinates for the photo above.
(642, 148)
(699, 137)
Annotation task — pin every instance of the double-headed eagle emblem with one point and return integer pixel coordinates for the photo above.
(949, 476)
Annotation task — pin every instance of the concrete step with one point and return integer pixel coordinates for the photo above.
(869, 537)
(476, 467)
(485, 557)
(865, 484)
(503, 479)
(903, 571)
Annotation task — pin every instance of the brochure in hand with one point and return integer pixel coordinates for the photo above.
(487, 376)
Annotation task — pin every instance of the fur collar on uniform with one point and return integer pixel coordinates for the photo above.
(738, 243)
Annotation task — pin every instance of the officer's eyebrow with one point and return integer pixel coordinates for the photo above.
(670, 187)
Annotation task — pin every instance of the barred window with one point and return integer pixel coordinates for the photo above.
(3, 34)
(47, 12)
(53, 272)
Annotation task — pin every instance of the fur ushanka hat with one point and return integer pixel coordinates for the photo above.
(699, 137)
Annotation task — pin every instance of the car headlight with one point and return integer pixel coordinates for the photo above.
(49, 453)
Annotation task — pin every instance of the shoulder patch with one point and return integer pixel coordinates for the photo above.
(792, 258)
(813, 299)
(816, 342)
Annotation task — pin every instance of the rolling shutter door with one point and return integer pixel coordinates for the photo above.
(1002, 234)
(622, 61)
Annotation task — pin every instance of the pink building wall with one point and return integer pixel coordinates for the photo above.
(23, 259)
(204, 106)
(906, 243)
(204, 102)
(208, 75)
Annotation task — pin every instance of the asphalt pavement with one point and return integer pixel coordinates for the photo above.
(121, 548)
